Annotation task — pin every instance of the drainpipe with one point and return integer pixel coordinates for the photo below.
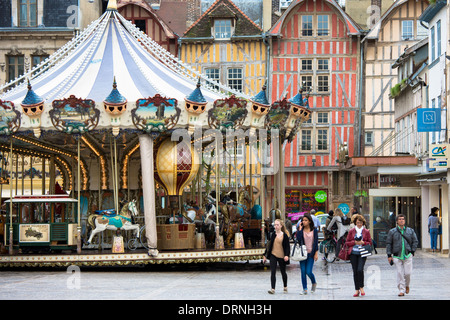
(361, 83)
(268, 62)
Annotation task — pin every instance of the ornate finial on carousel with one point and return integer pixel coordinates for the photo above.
(299, 111)
(195, 105)
(261, 100)
(33, 106)
(259, 107)
(115, 105)
(112, 5)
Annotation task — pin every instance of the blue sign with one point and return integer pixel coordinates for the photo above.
(428, 119)
(344, 208)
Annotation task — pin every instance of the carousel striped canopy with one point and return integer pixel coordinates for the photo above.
(112, 47)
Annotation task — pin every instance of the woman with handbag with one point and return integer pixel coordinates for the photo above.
(309, 236)
(278, 252)
(359, 242)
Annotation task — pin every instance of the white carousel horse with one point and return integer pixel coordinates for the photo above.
(109, 220)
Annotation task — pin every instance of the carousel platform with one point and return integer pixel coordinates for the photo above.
(138, 257)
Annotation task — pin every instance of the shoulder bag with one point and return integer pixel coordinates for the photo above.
(344, 253)
(299, 252)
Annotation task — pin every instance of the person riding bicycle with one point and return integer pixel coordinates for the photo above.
(328, 234)
(340, 220)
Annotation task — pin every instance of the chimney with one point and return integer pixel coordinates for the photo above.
(376, 3)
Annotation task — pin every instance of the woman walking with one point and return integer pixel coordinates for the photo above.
(278, 252)
(433, 227)
(309, 236)
(358, 235)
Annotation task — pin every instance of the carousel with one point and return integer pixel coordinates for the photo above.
(114, 152)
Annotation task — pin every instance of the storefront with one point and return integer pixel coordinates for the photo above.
(386, 203)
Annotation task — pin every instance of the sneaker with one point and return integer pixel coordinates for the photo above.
(285, 290)
(304, 293)
(313, 288)
(271, 291)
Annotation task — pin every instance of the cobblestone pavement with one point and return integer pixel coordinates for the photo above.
(225, 281)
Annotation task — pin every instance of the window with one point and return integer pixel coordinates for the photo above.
(27, 13)
(322, 139)
(306, 140)
(322, 117)
(15, 67)
(141, 25)
(222, 29)
(235, 78)
(307, 26)
(307, 81)
(322, 84)
(407, 30)
(322, 25)
(307, 65)
(433, 45)
(36, 60)
(438, 38)
(368, 138)
(213, 74)
(322, 65)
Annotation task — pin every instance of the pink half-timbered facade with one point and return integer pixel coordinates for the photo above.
(147, 20)
(317, 45)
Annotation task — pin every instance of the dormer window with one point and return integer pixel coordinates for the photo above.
(27, 13)
(222, 29)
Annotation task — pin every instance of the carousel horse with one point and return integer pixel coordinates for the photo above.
(232, 215)
(103, 220)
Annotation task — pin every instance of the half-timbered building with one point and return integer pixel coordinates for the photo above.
(148, 21)
(315, 44)
(228, 47)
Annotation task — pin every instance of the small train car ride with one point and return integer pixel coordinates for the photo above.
(42, 222)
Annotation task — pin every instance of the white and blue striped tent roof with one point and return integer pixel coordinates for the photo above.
(111, 47)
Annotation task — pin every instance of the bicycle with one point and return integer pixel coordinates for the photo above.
(142, 240)
(329, 248)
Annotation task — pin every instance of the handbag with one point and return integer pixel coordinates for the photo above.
(343, 253)
(299, 252)
(363, 251)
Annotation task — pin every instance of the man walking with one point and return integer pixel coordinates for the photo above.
(401, 243)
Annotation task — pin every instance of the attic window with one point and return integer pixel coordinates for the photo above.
(222, 29)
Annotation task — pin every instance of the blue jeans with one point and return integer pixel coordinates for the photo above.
(306, 267)
(434, 234)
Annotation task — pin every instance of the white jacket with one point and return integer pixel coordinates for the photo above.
(341, 228)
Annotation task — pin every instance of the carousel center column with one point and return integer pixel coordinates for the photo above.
(148, 186)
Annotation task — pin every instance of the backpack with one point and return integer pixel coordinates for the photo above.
(345, 221)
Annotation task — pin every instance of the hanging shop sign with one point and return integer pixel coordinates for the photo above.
(428, 119)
